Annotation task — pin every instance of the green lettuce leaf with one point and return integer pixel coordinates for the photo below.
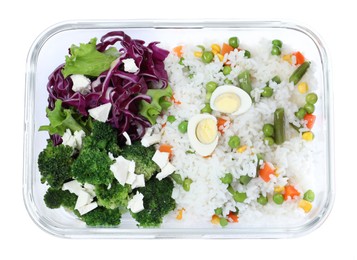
(86, 60)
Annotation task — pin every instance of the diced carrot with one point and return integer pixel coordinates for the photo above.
(179, 214)
(300, 59)
(177, 102)
(226, 48)
(266, 170)
(215, 219)
(166, 148)
(163, 125)
(178, 51)
(220, 124)
(207, 156)
(232, 217)
(291, 192)
(310, 118)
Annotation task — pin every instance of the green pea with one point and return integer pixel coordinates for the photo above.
(276, 79)
(268, 130)
(234, 142)
(277, 43)
(309, 196)
(262, 200)
(177, 178)
(311, 98)
(226, 70)
(310, 108)
(211, 86)
(171, 119)
(300, 113)
(247, 54)
(267, 92)
(186, 184)
(278, 198)
(269, 140)
(239, 196)
(208, 97)
(218, 211)
(227, 178)
(182, 127)
(207, 56)
(228, 81)
(275, 51)
(244, 179)
(234, 42)
(223, 222)
(206, 109)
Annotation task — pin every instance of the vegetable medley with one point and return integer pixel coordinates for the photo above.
(104, 156)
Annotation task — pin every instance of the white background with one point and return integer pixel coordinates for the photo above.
(22, 22)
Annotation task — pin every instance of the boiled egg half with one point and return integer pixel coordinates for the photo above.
(202, 133)
(230, 99)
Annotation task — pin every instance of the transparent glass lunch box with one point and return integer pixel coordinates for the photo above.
(48, 51)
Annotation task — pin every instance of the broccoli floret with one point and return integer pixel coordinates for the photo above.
(54, 164)
(103, 137)
(93, 166)
(101, 216)
(142, 156)
(116, 196)
(55, 198)
(157, 202)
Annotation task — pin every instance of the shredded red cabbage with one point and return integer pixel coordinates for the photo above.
(122, 89)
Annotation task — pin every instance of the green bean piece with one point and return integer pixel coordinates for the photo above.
(186, 184)
(206, 109)
(223, 222)
(262, 200)
(275, 51)
(278, 198)
(247, 54)
(295, 127)
(182, 127)
(207, 56)
(299, 72)
(310, 108)
(234, 142)
(279, 126)
(267, 92)
(277, 43)
(268, 130)
(245, 179)
(269, 140)
(311, 98)
(211, 86)
(276, 79)
(309, 196)
(201, 47)
(208, 97)
(171, 119)
(300, 113)
(234, 42)
(227, 178)
(181, 61)
(239, 196)
(177, 178)
(218, 211)
(227, 70)
(245, 82)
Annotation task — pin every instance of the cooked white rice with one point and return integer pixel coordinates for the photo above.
(292, 159)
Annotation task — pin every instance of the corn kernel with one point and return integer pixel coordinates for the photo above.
(242, 149)
(279, 189)
(179, 214)
(197, 54)
(216, 48)
(220, 56)
(215, 219)
(303, 87)
(287, 57)
(308, 136)
(305, 205)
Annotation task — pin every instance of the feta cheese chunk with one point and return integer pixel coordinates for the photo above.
(130, 66)
(161, 158)
(127, 137)
(87, 208)
(75, 140)
(101, 112)
(166, 171)
(84, 198)
(78, 136)
(150, 139)
(136, 204)
(90, 189)
(73, 187)
(139, 181)
(120, 169)
(81, 84)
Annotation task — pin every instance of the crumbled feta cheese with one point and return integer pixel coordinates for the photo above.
(75, 140)
(130, 66)
(149, 139)
(90, 189)
(127, 137)
(136, 204)
(111, 156)
(139, 181)
(166, 171)
(81, 84)
(161, 158)
(131, 168)
(83, 199)
(73, 187)
(101, 112)
(78, 136)
(120, 169)
(87, 208)
(131, 178)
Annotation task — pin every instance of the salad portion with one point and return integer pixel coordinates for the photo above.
(213, 132)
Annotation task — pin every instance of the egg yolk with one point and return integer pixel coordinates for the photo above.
(206, 131)
(227, 103)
